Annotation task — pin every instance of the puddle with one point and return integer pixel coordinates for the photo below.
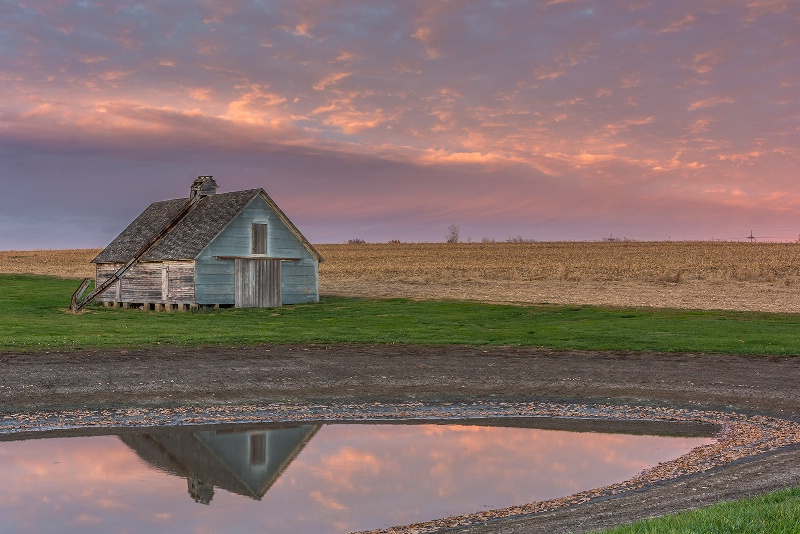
(310, 477)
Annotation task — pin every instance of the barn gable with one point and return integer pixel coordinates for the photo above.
(215, 264)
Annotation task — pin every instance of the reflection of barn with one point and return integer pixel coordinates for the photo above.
(243, 462)
(211, 248)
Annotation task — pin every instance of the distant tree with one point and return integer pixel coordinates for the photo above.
(355, 241)
(452, 234)
(520, 239)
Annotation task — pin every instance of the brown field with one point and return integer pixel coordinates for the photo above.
(73, 263)
(695, 275)
(701, 275)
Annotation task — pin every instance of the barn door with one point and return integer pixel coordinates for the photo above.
(258, 283)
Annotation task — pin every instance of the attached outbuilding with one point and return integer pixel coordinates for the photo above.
(210, 249)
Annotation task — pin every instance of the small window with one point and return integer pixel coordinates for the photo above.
(259, 238)
(258, 449)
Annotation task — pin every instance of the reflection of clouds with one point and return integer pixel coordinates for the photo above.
(109, 504)
(86, 519)
(452, 457)
(59, 461)
(353, 476)
(326, 502)
(341, 468)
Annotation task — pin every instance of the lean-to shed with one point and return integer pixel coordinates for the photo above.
(212, 248)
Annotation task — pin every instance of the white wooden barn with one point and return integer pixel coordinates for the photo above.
(210, 249)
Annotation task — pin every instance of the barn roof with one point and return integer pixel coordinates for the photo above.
(187, 238)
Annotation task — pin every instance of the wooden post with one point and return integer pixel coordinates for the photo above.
(73, 305)
(164, 282)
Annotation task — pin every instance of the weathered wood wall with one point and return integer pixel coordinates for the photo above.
(168, 282)
(258, 283)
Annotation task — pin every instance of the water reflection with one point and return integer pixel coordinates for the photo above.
(304, 478)
(245, 463)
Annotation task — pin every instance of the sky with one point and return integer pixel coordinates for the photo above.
(380, 120)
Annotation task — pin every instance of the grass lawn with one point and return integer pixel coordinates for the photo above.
(774, 513)
(34, 316)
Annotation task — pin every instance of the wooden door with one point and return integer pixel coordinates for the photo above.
(258, 283)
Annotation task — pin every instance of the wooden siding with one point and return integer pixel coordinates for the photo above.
(300, 281)
(258, 283)
(169, 282)
(215, 277)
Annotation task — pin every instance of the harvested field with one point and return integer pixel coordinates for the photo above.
(691, 275)
(72, 263)
(441, 263)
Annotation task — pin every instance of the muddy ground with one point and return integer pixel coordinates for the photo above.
(391, 373)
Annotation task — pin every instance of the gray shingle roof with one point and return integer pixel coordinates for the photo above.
(187, 238)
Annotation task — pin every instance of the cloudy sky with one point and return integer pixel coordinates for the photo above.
(547, 119)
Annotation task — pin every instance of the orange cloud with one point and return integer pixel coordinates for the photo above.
(703, 62)
(624, 125)
(331, 79)
(200, 93)
(88, 59)
(257, 106)
(424, 35)
(548, 73)
(709, 102)
(758, 8)
(742, 157)
(356, 121)
(678, 25)
(443, 156)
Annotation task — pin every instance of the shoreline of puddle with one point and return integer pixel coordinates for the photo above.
(738, 436)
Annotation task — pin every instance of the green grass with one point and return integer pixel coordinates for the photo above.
(774, 513)
(33, 316)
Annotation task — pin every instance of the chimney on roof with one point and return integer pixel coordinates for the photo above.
(202, 187)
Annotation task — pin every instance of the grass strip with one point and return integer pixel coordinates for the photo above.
(774, 513)
(34, 316)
